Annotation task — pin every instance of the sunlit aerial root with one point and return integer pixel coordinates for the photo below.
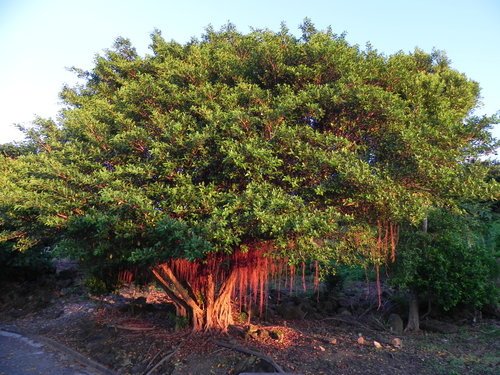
(202, 290)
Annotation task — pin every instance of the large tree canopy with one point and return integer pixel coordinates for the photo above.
(297, 148)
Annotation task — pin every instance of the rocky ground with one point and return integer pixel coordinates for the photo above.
(135, 331)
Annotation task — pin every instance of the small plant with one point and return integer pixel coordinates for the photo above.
(181, 322)
(96, 286)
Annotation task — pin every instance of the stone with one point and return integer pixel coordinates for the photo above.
(395, 324)
(344, 312)
(276, 335)
(361, 340)
(252, 328)
(290, 311)
(377, 345)
(397, 343)
(235, 330)
(253, 365)
(263, 333)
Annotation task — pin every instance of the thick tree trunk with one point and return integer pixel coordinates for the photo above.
(413, 314)
(214, 312)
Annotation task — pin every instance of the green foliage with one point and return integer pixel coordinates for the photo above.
(96, 286)
(28, 265)
(454, 263)
(235, 139)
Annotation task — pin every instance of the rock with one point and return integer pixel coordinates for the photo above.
(263, 333)
(397, 343)
(333, 341)
(252, 328)
(290, 311)
(321, 348)
(243, 317)
(252, 364)
(235, 330)
(361, 340)
(395, 324)
(344, 312)
(276, 335)
(252, 332)
(251, 335)
(432, 325)
(377, 345)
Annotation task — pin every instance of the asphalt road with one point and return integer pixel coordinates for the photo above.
(20, 355)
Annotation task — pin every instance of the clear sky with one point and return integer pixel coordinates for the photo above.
(40, 38)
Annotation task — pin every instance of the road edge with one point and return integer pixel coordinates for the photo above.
(88, 362)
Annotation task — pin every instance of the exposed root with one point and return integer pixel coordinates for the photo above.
(132, 328)
(259, 355)
(161, 361)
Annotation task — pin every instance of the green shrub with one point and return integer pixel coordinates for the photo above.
(453, 263)
(96, 286)
(26, 265)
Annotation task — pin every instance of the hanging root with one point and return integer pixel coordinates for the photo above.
(203, 290)
(387, 240)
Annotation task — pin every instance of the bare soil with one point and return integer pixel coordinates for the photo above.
(135, 331)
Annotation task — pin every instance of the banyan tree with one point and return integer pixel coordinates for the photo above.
(223, 162)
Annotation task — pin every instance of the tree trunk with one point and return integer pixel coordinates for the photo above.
(425, 224)
(413, 314)
(214, 312)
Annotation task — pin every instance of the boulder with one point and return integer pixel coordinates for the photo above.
(395, 324)
(291, 311)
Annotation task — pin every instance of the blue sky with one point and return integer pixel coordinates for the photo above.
(40, 38)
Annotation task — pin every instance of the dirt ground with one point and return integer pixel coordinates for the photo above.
(134, 331)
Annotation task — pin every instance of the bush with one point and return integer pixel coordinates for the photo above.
(453, 263)
(27, 265)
